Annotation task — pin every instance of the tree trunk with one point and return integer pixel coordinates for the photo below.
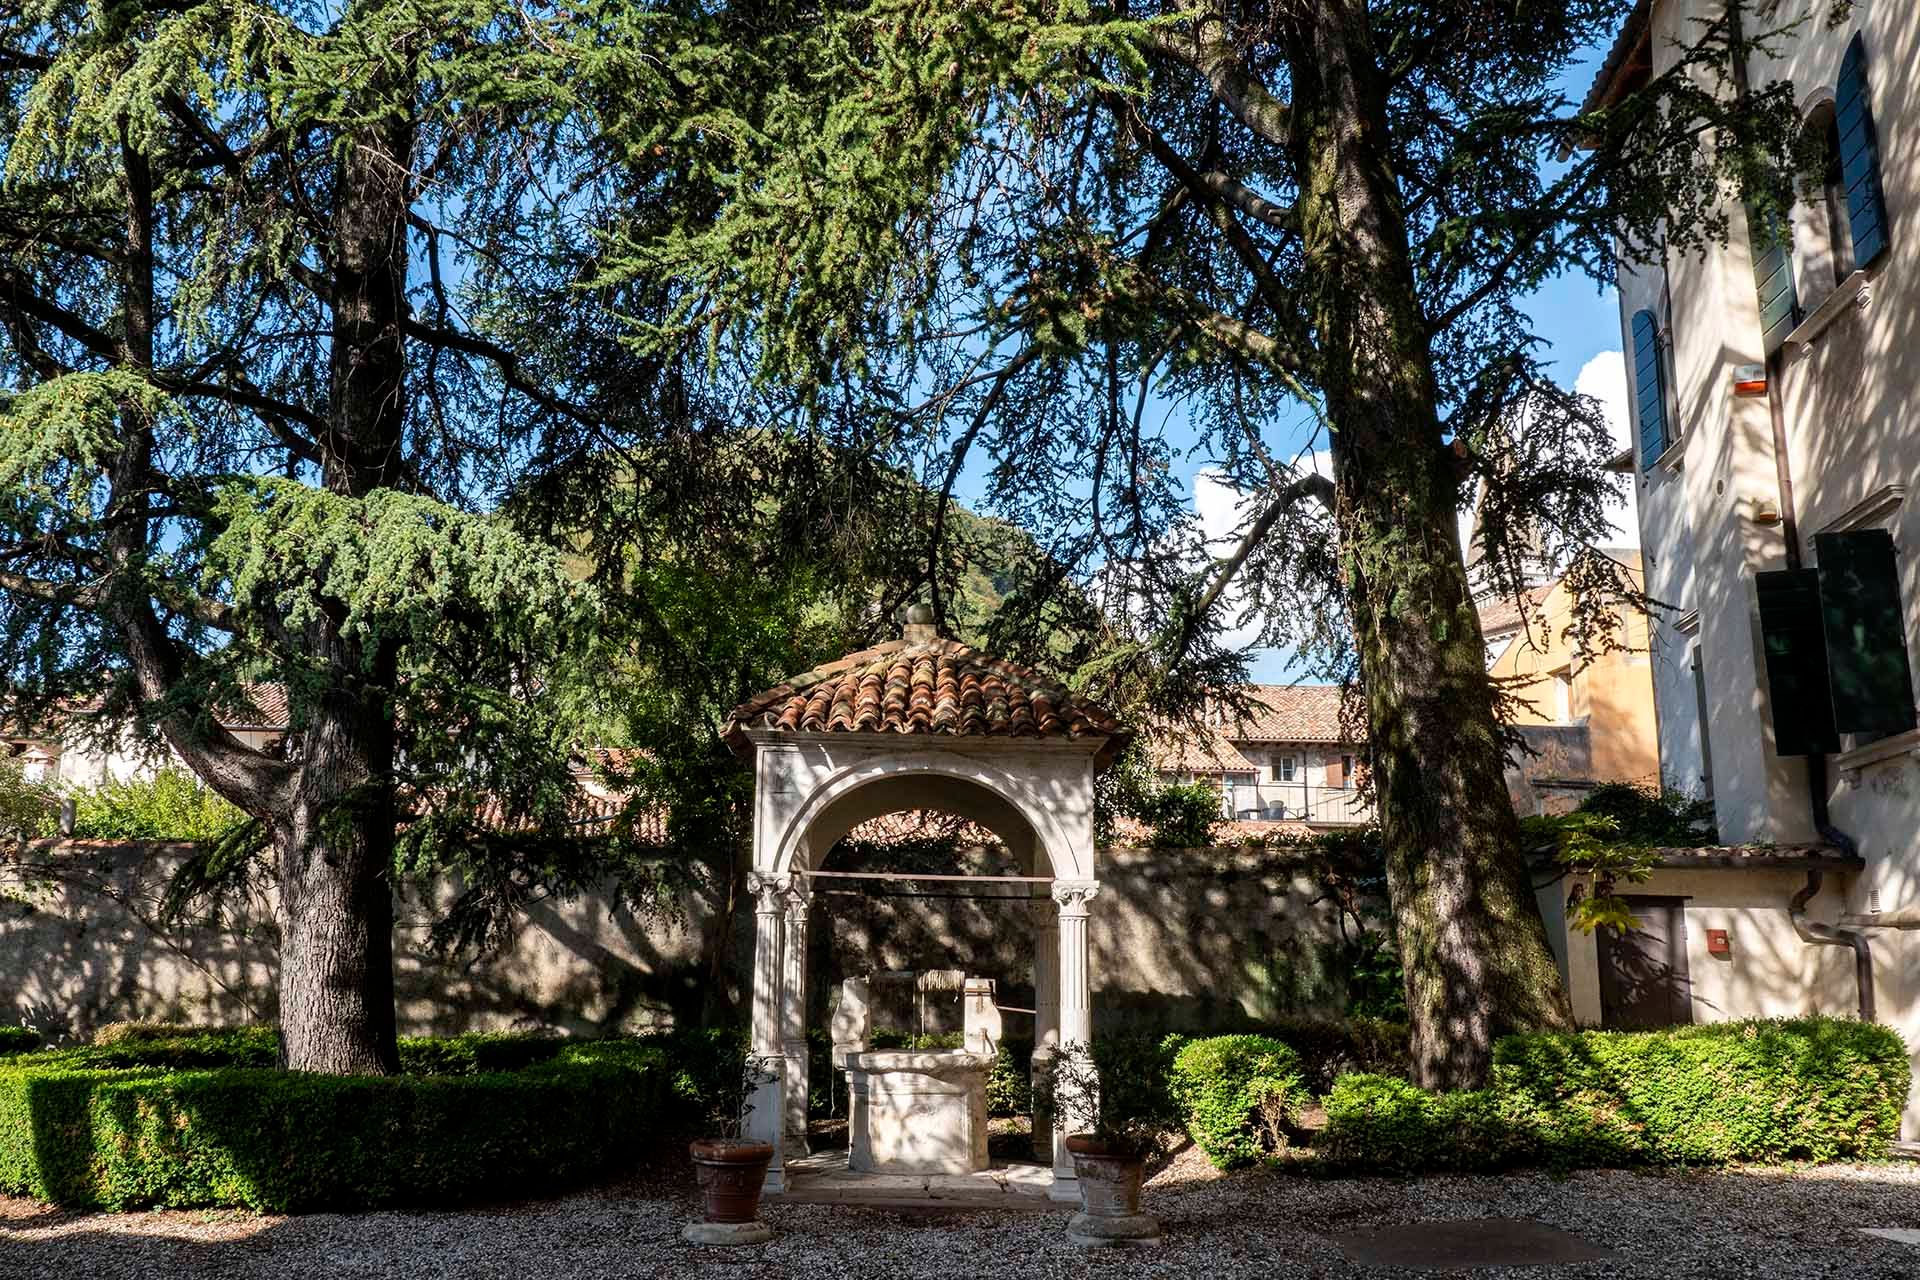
(1472, 941)
(334, 850)
(335, 845)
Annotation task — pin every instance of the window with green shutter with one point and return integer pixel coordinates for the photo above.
(1866, 632)
(1796, 657)
(1772, 247)
(1649, 388)
(1859, 156)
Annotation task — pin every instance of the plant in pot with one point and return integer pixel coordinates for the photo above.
(1113, 1102)
(731, 1168)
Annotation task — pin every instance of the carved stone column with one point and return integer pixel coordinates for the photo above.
(766, 1121)
(793, 1026)
(1075, 995)
(1046, 1013)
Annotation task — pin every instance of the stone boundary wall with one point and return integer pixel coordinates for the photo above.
(1191, 939)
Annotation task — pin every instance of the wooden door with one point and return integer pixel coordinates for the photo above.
(1643, 972)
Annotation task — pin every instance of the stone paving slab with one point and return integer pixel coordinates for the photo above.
(1899, 1235)
(1464, 1244)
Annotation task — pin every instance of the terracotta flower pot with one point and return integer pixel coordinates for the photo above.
(1109, 1180)
(731, 1172)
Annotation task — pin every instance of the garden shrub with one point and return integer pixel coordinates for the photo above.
(1333, 1047)
(278, 1141)
(171, 804)
(1238, 1095)
(1010, 1081)
(18, 1040)
(1756, 1091)
(476, 1052)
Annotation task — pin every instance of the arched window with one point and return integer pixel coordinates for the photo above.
(1822, 231)
(1857, 153)
(1649, 389)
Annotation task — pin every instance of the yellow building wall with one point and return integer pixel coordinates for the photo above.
(1612, 690)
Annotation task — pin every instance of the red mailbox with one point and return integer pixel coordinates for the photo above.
(1718, 944)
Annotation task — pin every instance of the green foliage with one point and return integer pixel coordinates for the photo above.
(1010, 1081)
(18, 1040)
(169, 804)
(1179, 815)
(1382, 1124)
(1238, 1095)
(1612, 836)
(1722, 1093)
(275, 1141)
(1115, 1089)
(27, 809)
(1332, 1047)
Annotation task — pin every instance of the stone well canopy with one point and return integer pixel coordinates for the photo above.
(919, 723)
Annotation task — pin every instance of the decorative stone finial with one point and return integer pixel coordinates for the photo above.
(918, 628)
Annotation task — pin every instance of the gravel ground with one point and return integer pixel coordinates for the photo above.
(1772, 1223)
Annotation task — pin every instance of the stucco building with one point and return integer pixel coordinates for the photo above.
(1280, 758)
(1772, 380)
(1586, 711)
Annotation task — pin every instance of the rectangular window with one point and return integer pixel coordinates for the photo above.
(1283, 769)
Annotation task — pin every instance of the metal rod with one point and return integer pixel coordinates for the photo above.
(916, 893)
(907, 875)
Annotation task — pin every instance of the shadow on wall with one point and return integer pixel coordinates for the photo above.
(1184, 939)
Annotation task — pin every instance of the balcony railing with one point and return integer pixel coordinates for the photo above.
(1297, 802)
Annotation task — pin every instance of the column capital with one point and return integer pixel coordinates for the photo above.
(798, 896)
(1074, 895)
(769, 892)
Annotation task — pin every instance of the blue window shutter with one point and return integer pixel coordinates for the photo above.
(1860, 157)
(1772, 250)
(1649, 388)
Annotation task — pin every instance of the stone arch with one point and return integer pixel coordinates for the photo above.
(890, 783)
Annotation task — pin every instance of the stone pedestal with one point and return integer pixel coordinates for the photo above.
(917, 1112)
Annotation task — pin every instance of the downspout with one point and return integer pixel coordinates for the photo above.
(1811, 932)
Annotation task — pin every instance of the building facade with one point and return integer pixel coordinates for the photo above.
(1587, 714)
(1772, 380)
(1285, 760)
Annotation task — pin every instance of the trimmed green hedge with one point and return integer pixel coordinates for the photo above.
(1238, 1095)
(1759, 1091)
(88, 1136)
(18, 1040)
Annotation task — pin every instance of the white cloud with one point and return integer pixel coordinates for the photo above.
(1605, 379)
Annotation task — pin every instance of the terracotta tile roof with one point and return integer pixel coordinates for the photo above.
(1500, 614)
(925, 686)
(1288, 713)
(1188, 753)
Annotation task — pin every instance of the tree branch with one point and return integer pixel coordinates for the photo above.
(1208, 49)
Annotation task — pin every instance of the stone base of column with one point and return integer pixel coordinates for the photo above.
(1065, 1188)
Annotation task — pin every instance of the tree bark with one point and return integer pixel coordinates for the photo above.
(334, 849)
(335, 844)
(1472, 942)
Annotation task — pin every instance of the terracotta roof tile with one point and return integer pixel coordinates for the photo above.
(1288, 713)
(924, 687)
(1505, 613)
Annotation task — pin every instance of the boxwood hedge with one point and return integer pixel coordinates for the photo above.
(1757, 1091)
(101, 1128)
(18, 1040)
(1238, 1095)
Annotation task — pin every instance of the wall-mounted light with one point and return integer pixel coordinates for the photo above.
(1766, 511)
(1749, 379)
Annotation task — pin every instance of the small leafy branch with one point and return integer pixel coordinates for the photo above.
(1615, 836)
(1117, 1103)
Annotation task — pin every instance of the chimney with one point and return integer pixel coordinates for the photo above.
(918, 627)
